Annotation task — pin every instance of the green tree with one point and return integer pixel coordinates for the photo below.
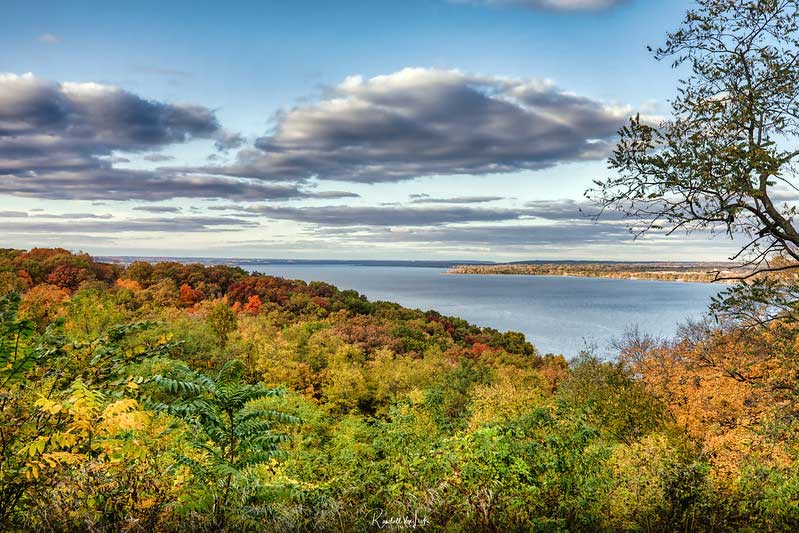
(232, 433)
(222, 321)
(726, 157)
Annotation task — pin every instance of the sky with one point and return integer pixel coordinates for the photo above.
(372, 129)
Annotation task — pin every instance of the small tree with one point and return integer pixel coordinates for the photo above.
(222, 320)
(231, 430)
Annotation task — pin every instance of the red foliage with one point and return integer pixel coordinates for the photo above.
(69, 277)
(479, 349)
(189, 296)
(267, 288)
(366, 333)
(320, 301)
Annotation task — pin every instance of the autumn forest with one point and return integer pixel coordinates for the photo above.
(171, 396)
(184, 397)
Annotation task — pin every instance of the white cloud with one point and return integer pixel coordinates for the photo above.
(48, 38)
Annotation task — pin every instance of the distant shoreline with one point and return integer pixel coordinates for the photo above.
(686, 272)
(676, 272)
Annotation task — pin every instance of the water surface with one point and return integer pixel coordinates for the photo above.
(557, 314)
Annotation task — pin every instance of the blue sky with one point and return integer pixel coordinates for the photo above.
(370, 129)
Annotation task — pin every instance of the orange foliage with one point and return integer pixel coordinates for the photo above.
(131, 285)
(553, 370)
(23, 275)
(724, 389)
(42, 304)
(253, 305)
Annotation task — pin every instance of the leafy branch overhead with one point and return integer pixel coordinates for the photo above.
(725, 161)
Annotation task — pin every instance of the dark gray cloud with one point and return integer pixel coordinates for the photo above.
(158, 158)
(556, 5)
(561, 211)
(156, 224)
(423, 122)
(89, 119)
(388, 216)
(330, 195)
(486, 235)
(67, 216)
(157, 208)
(107, 183)
(425, 199)
(60, 140)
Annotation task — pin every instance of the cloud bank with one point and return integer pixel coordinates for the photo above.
(59, 140)
(369, 216)
(426, 122)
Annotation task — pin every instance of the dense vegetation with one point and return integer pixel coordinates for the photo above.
(182, 397)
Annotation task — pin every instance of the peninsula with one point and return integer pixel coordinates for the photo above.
(662, 271)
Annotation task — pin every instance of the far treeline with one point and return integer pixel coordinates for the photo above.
(695, 272)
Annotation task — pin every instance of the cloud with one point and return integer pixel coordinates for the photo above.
(158, 158)
(76, 216)
(89, 118)
(560, 211)
(425, 122)
(48, 38)
(157, 209)
(60, 140)
(106, 183)
(489, 235)
(568, 209)
(329, 195)
(229, 141)
(387, 216)
(157, 224)
(425, 199)
(555, 5)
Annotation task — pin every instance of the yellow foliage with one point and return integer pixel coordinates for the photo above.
(724, 390)
(513, 393)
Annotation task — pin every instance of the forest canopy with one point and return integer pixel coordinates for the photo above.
(180, 397)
